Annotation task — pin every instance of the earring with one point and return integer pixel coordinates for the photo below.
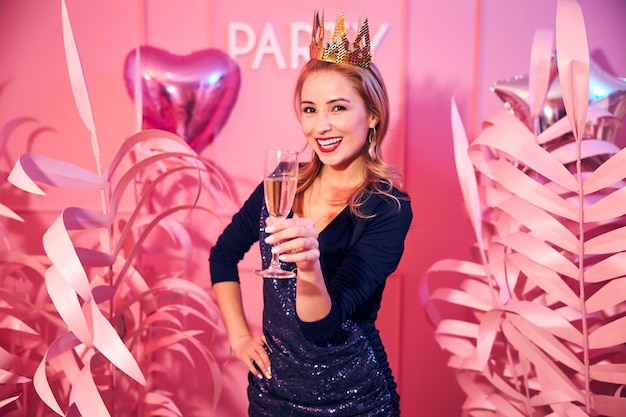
(372, 150)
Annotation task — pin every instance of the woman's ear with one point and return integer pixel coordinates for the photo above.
(373, 121)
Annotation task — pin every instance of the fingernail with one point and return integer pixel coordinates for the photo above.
(259, 376)
(268, 374)
(276, 249)
(269, 239)
(269, 229)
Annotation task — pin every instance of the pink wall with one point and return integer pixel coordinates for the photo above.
(430, 52)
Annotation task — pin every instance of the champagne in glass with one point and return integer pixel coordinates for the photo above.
(279, 183)
(279, 193)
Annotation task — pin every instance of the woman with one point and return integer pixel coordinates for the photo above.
(320, 353)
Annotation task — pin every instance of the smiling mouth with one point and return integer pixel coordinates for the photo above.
(328, 145)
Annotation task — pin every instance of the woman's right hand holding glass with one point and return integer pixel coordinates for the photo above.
(298, 241)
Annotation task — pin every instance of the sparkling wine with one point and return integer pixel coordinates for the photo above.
(280, 183)
(279, 194)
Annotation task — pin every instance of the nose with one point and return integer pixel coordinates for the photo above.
(323, 122)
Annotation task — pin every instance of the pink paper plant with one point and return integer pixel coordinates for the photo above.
(536, 325)
(97, 326)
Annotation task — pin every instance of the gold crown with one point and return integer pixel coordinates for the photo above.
(340, 50)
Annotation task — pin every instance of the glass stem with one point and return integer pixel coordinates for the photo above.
(275, 263)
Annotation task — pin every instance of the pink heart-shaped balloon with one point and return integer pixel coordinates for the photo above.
(189, 95)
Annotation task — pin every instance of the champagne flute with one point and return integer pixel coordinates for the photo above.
(279, 183)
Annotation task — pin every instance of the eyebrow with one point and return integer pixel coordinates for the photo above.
(328, 102)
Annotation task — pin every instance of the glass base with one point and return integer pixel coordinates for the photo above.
(275, 273)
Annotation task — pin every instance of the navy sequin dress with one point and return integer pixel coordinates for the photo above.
(336, 366)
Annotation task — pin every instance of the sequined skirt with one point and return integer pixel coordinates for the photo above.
(338, 378)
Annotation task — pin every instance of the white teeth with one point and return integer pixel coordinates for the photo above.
(328, 142)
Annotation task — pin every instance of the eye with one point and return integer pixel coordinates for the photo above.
(339, 107)
(308, 109)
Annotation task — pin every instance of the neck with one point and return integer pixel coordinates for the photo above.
(348, 179)
(336, 189)
(324, 203)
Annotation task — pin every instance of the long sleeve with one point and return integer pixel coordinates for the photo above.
(357, 258)
(236, 239)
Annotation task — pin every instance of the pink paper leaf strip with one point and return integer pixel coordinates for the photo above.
(63, 344)
(7, 377)
(609, 405)
(539, 74)
(108, 342)
(6, 401)
(610, 295)
(543, 365)
(539, 221)
(609, 335)
(137, 285)
(60, 249)
(149, 139)
(606, 269)
(86, 396)
(32, 168)
(610, 172)
(7, 212)
(573, 63)
(466, 175)
(68, 306)
(77, 79)
(522, 148)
